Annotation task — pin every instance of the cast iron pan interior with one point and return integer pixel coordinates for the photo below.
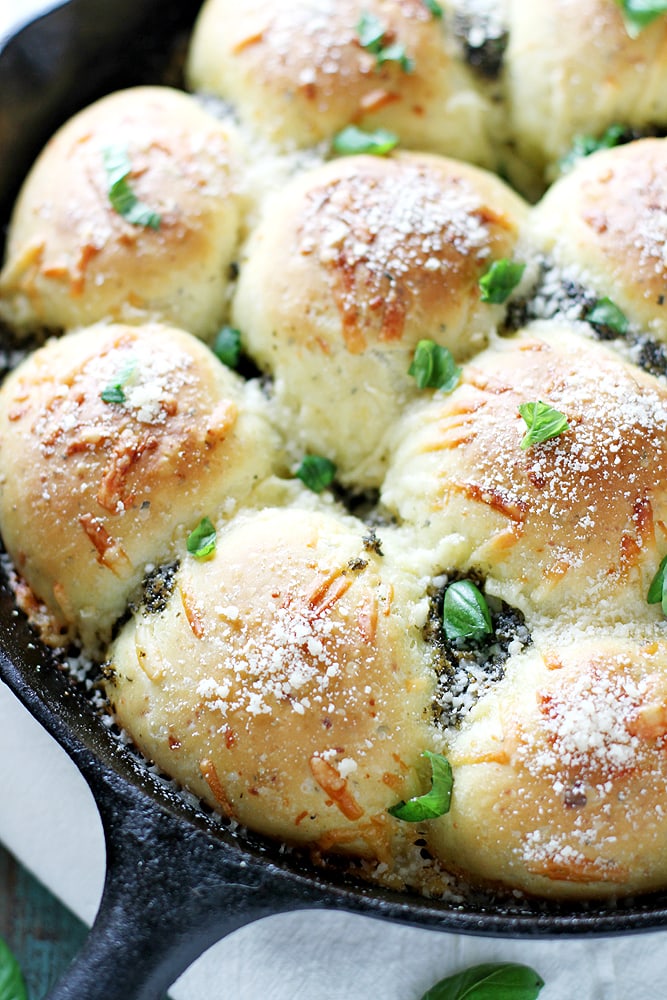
(176, 880)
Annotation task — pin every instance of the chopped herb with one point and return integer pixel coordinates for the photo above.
(433, 7)
(606, 313)
(433, 367)
(122, 197)
(227, 346)
(543, 423)
(657, 592)
(372, 37)
(316, 472)
(353, 140)
(584, 145)
(372, 543)
(201, 541)
(12, 983)
(434, 803)
(465, 613)
(114, 392)
(638, 14)
(500, 280)
(489, 981)
(370, 31)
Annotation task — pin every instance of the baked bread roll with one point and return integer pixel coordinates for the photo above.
(297, 72)
(560, 771)
(605, 226)
(95, 491)
(570, 528)
(571, 68)
(73, 258)
(350, 267)
(283, 681)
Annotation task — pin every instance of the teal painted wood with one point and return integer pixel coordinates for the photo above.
(41, 932)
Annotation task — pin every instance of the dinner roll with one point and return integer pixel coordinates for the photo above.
(72, 257)
(297, 72)
(349, 268)
(571, 68)
(560, 772)
(283, 681)
(574, 526)
(93, 490)
(605, 224)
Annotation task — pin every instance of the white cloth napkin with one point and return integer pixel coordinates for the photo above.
(49, 821)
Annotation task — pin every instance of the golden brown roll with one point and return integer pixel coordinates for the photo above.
(573, 527)
(349, 268)
(93, 491)
(283, 681)
(560, 772)
(297, 72)
(605, 224)
(571, 68)
(72, 257)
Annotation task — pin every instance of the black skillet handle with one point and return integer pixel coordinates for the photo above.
(171, 891)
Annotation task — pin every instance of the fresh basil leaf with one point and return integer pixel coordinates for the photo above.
(638, 14)
(227, 346)
(465, 613)
(489, 981)
(606, 313)
(352, 140)
(500, 280)
(371, 34)
(434, 803)
(201, 541)
(657, 592)
(12, 984)
(396, 53)
(433, 367)
(543, 423)
(433, 7)
(316, 472)
(584, 145)
(114, 392)
(122, 197)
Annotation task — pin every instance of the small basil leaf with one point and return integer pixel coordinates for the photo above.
(113, 393)
(316, 472)
(433, 7)
(657, 592)
(606, 313)
(396, 53)
(227, 346)
(543, 423)
(500, 280)
(122, 197)
(12, 984)
(638, 14)
(433, 367)
(584, 145)
(489, 981)
(434, 803)
(201, 541)
(370, 32)
(352, 141)
(465, 613)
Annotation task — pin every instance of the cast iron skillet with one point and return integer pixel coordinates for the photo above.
(176, 881)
